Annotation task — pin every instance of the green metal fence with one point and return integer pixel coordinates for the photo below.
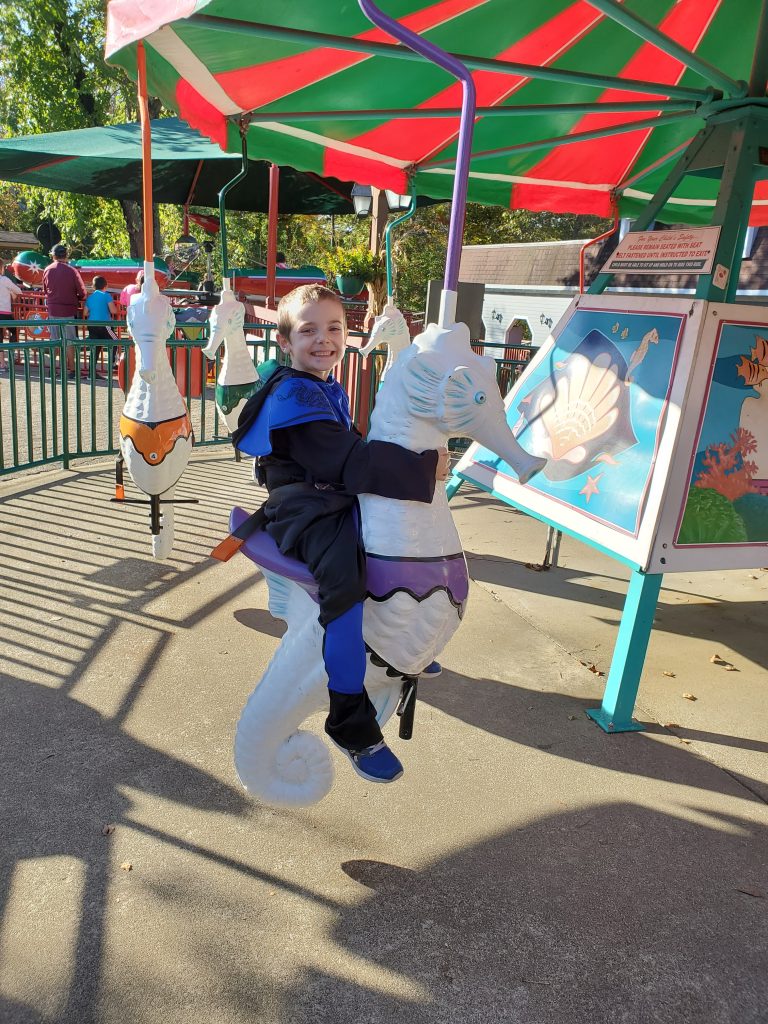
(49, 416)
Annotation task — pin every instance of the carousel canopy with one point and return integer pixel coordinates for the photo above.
(107, 162)
(576, 99)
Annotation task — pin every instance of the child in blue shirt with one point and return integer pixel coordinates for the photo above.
(99, 306)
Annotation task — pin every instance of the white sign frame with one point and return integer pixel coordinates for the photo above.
(634, 550)
(667, 555)
(663, 252)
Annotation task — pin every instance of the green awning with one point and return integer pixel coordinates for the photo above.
(107, 162)
(573, 103)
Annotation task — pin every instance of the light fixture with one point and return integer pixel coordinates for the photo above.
(361, 199)
(185, 248)
(397, 202)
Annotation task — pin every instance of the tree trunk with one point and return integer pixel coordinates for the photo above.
(133, 224)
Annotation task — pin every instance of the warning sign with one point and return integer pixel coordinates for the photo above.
(672, 252)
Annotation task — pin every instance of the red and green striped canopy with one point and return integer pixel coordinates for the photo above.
(294, 68)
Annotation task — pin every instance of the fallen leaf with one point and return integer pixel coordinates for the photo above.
(671, 725)
(572, 718)
(757, 893)
(686, 742)
(689, 696)
(717, 660)
(754, 577)
(731, 668)
(107, 830)
(127, 866)
(670, 675)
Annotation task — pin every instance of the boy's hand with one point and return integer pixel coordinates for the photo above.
(443, 464)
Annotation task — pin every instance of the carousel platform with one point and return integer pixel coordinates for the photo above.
(528, 867)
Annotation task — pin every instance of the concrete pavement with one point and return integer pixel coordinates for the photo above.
(528, 868)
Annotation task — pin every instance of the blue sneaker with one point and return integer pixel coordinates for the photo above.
(433, 669)
(375, 764)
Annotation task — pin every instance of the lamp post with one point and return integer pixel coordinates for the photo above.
(378, 204)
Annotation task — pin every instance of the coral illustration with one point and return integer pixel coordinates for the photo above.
(727, 470)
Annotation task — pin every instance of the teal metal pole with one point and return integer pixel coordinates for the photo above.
(665, 190)
(567, 140)
(223, 195)
(615, 713)
(381, 49)
(388, 242)
(734, 204)
(415, 113)
(651, 34)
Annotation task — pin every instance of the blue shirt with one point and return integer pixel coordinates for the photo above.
(98, 306)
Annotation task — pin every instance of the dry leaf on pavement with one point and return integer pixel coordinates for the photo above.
(689, 696)
(670, 675)
(107, 830)
(127, 866)
(717, 660)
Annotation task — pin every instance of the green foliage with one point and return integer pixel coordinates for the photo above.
(753, 509)
(710, 518)
(355, 261)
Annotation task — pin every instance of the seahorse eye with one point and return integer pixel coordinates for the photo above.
(480, 398)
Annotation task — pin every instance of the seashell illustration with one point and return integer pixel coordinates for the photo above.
(584, 407)
(580, 415)
(624, 334)
(615, 327)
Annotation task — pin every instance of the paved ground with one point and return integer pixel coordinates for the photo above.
(528, 868)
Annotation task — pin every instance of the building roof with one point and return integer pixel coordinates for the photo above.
(556, 265)
(18, 240)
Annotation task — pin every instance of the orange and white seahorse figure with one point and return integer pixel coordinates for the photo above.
(155, 428)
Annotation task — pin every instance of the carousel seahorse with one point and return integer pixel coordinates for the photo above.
(155, 428)
(417, 575)
(238, 378)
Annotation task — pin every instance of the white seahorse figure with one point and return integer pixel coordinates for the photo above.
(238, 378)
(155, 428)
(390, 329)
(436, 388)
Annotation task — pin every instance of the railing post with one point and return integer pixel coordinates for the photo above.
(64, 399)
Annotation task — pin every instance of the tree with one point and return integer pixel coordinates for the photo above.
(53, 77)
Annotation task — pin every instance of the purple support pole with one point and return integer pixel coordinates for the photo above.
(466, 127)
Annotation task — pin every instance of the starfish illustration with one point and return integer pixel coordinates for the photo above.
(591, 487)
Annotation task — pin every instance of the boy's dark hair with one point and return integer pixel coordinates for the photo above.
(99, 282)
(287, 306)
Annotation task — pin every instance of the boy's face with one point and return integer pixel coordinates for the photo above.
(317, 339)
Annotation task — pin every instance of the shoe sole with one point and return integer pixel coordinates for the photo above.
(357, 769)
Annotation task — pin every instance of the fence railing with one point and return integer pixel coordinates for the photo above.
(61, 398)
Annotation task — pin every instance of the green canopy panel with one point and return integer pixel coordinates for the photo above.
(215, 60)
(107, 162)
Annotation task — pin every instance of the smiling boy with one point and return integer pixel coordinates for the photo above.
(313, 463)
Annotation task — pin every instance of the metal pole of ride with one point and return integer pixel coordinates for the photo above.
(274, 188)
(222, 197)
(146, 151)
(388, 244)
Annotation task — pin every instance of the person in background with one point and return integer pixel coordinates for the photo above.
(100, 306)
(64, 290)
(7, 292)
(131, 289)
(280, 261)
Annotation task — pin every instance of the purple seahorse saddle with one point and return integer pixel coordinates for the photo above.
(419, 577)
